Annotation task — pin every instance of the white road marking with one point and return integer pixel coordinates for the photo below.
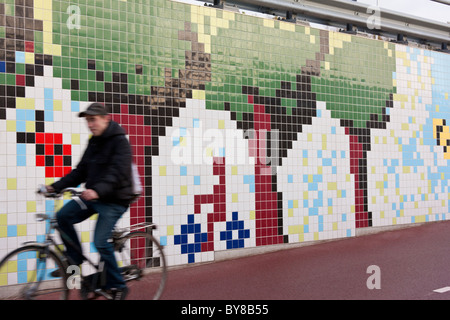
(442, 290)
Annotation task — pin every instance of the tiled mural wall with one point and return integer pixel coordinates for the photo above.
(247, 131)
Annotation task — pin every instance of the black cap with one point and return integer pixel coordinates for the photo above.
(93, 110)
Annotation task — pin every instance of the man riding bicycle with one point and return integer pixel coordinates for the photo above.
(105, 168)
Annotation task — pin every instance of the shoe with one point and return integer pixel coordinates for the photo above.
(119, 294)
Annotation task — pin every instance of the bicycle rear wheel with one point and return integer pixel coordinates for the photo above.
(141, 257)
(25, 273)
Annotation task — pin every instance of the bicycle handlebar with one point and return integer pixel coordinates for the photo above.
(43, 190)
(75, 194)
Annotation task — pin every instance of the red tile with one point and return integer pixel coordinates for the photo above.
(40, 161)
(20, 80)
(67, 150)
(40, 138)
(49, 150)
(29, 46)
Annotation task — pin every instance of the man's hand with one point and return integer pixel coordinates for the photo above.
(89, 194)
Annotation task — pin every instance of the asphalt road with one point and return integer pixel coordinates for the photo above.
(409, 264)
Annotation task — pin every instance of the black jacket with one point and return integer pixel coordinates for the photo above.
(105, 167)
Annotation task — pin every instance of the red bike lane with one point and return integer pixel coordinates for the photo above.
(406, 264)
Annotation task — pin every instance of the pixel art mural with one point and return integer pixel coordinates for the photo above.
(247, 131)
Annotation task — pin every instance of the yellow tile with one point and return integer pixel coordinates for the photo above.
(58, 204)
(198, 94)
(162, 170)
(4, 218)
(57, 105)
(30, 126)
(29, 103)
(421, 218)
(85, 236)
(47, 39)
(22, 230)
(221, 124)
(332, 185)
(288, 26)
(3, 231)
(269, 23)
(234, 170)
(29, 57)
(297, 229)
(11, 125)
(47, 26)
(47, 4)
(11, 183)
(183, 190)
(3, 279)
(170, 231)
(252, 214)
(229, 15)
(31, 206)
(38, 14)
(75, 138)
(56, 50)
(11, 266)
(234, 197)
(25, 103)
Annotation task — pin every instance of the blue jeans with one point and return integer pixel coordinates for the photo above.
(108, 215)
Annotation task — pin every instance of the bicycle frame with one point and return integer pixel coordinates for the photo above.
(50, 241)
(117, 235)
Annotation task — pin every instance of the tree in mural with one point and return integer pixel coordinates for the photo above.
(361, 103)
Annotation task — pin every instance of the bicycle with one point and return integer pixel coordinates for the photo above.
(139, 255)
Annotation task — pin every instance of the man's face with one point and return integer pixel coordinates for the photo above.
(97, 124)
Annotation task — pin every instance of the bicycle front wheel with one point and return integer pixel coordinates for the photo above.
(25, 273)
(141, 257)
